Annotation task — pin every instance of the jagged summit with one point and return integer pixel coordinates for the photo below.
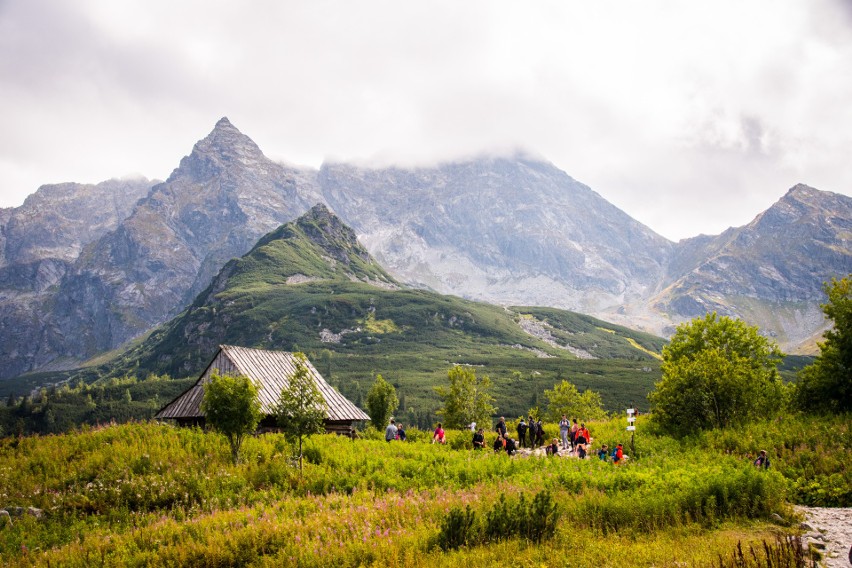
(803, 203)
(801, 189)
(224, 147)
(802, 193)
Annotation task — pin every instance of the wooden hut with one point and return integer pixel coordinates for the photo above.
(270, 371)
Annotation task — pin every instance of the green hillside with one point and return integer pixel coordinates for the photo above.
(310, 286)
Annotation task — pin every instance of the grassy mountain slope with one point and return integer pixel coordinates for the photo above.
(310, 286)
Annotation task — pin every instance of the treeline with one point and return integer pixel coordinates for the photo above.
(60, 408)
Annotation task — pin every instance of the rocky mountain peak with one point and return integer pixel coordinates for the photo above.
(327, 230)
(802, 190)
(220, 150)
(804, 204)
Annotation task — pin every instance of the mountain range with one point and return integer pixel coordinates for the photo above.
(84, 269)
(311, 286)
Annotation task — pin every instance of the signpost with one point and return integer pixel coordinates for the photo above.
(631, 427)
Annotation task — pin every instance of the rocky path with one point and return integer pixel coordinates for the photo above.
(831, 528)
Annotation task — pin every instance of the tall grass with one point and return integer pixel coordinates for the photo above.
(147, 494)
(786, 552)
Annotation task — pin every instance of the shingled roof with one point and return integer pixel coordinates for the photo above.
(270, 371)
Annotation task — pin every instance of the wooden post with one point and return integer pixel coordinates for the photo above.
(631, 427)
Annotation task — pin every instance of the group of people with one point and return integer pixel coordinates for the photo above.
(575, 439)
(394, 431)
(617, 455)
(533, 427)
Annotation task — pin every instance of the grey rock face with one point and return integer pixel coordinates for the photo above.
(501, 230)
(769, 272)
(57, 221)
(39, 243)
(221, 199)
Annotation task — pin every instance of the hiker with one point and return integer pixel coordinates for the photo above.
(553, 448)
(511, 446)
(390, 431)
(618, 455)
(762, 460)
(438, 436)
(574, 429)
(539, 433)
(602, 453)
(499, 444)
(501, 427)
(582, 439)
(400, 432)
(564, 429)
(522, 433)
(478, 440)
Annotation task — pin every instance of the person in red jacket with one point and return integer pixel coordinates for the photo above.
(618, 454)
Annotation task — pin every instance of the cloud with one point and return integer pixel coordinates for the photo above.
(689, 117)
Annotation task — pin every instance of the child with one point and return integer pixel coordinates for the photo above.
(552, 449)
(439, 435)
(602, 453)
(499, 444)
(618, 454)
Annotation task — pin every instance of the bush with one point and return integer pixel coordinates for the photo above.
(457, 529)
(533, 521)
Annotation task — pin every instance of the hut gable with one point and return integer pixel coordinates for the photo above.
(270, 371)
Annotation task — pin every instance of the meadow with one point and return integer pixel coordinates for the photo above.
(147, 494)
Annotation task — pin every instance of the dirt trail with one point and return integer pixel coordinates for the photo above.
(833, 528)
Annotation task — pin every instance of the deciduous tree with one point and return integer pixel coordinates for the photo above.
(382, 402)
(301, 408)
(231, 407)
(566, 399)
(717, 372)
(467, 399)
(826, 385)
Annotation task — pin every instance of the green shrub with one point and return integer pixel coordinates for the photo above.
(457, 529)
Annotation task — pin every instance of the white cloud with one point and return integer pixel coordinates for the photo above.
(690, 117)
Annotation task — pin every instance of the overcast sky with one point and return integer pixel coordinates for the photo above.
(691, 117)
